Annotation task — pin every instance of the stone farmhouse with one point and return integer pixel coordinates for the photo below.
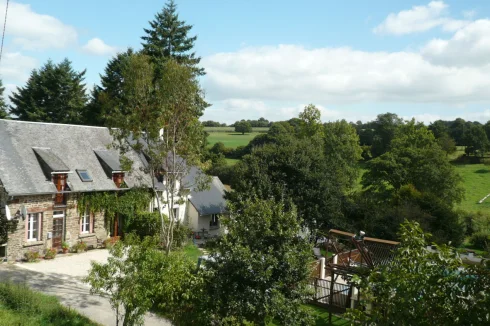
(45, 167)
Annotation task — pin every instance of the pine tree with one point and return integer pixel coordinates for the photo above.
(3, 105)
(167, 37)
(54, 93)
(109, 92)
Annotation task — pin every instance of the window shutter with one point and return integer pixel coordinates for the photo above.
(80, 223)
(27, 226)
(92, 218)
(40, 227)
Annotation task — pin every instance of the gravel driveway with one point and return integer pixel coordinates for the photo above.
(62, 277)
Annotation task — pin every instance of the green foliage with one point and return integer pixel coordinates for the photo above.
(21, 306)
(243, 127)
(139, 276)
(129, 203)
(447, 144)
(181, 236)
(384, 127)
(3, 106)
(6, 226)
(32, 256)
(143, 224)
(296, 169)
(54, 93)
(423, 288)
(343, 150)
(476, 140)
(50, 253)
(80, 246)
(481, 240)
(259, 270)
(65, 245)
(310, 124)
(109, 92)
(168, 38)
(414, 158)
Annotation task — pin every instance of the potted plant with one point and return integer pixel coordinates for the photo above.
(80, 247)
(50, 253)
(31, 256)
(65, 247)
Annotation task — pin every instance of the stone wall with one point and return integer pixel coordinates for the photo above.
(17, 243)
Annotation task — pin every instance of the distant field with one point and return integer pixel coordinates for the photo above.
(231, 140)
(232, 129)
(476, 180)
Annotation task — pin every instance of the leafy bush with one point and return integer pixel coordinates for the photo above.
(181, 235)
(50, 253)
(65, 245)
(480, 240)
(110, 242)
(79, 247)
(476, 222)
(32, 256)
(143, 224)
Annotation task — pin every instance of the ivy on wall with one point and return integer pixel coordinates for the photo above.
(124, 203)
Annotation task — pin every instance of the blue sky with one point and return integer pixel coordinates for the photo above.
(353, 59)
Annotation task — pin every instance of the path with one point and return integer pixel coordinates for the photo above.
(61, 277)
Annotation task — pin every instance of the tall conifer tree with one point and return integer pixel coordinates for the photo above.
(54, 93)
(168, 37)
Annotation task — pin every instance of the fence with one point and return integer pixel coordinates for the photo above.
(342, 294)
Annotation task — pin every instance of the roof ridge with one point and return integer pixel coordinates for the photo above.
(51, 123)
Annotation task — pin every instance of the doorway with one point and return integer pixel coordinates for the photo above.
(58, 226)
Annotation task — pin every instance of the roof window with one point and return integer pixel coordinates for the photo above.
(84, 176)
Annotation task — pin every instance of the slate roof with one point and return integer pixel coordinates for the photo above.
(209, 201)
(60, 146)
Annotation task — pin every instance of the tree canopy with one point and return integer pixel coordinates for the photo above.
(262, 266)
(53, 93)
(168, 38)
(243, 127)
(420, 287)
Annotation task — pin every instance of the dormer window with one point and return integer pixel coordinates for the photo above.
(111, 163)
(55, 170)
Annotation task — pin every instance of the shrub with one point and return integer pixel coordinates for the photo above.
(181, 235)
(110, 242)
(50, 253)
(79, 247)
(32, 256)
(65, 245)
(143, 224)
(480, 240)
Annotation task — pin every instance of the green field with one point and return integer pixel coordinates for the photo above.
(231, 140)
(232, 129)
(476, 180)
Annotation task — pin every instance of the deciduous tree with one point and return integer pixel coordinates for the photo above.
(157, 116)
(420, 287)
(259, 270)
(243, 127)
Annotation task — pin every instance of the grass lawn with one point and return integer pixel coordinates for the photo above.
(321, 317)
(192, 252)
(232, 161)
(231, 140)
(21, 306)
(232, 129)
(477, 184)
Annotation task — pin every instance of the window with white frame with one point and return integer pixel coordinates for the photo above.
(214, 223)
(34, 226)
(85, 227)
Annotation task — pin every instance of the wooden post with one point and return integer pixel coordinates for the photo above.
(331, 296)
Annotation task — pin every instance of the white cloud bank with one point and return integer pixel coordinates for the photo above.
(420, 19)
(34, 31)
(453, 72)
(96, 46)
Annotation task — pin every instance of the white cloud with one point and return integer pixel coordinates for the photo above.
(419, 19)
(339, 75)
(469, 14)
(470, 46)
(34, 31)
(16, 67)
(96, 46)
